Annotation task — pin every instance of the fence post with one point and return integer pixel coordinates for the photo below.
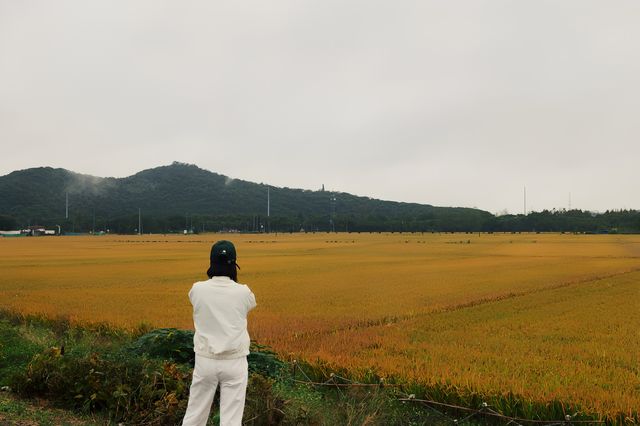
(294, 364)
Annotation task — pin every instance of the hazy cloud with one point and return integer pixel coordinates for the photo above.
(83, 184)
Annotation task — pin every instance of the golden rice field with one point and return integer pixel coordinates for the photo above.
(543, 316)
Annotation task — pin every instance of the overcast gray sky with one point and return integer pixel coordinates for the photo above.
(453, 103)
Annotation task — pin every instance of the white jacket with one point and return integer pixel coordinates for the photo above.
(220, 308)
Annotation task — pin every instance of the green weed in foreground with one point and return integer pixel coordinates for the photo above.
(18, 412)
(15, 352)
(133, 389)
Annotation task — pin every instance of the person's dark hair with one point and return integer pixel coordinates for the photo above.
(223, 270)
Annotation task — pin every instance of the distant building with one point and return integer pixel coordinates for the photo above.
(37, 230)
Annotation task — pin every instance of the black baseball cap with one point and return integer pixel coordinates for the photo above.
(223, 252)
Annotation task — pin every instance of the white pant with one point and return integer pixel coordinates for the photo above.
(232, 374)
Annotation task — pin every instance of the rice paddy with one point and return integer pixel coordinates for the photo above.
(544, 316)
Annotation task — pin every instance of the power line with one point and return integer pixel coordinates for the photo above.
(484, 409)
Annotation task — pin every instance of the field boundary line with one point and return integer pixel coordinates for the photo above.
(392, 320)
(513, 295)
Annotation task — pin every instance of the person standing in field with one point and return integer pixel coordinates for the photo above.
(221, 340)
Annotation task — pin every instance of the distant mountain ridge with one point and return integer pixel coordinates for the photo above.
(183, 196)
(173, 196)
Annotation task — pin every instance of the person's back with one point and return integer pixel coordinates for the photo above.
(221, 340)
(220, 307)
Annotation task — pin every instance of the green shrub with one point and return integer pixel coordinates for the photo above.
(132, 389)
(166, 343)
(262, 360)
(177, 345)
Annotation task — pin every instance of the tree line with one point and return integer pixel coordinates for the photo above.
(614, 221)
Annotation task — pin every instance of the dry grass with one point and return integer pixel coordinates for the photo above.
(545, 316)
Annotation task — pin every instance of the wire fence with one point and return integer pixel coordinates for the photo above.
(483, 411)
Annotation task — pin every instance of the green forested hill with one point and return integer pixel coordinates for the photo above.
(180, 196)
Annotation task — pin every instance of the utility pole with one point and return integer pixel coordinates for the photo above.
(139, 222)
(66, 215)
(525, 200)
(268, 208)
